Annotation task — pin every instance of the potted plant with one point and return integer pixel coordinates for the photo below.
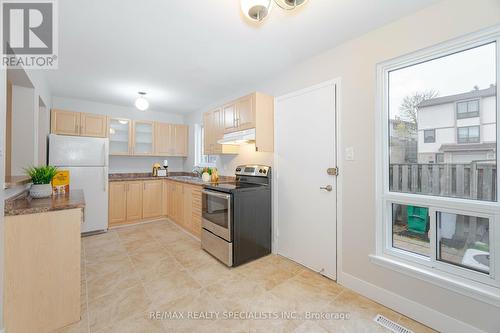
(205, 176)
(41, 177)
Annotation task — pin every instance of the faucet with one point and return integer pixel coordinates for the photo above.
(197, 171)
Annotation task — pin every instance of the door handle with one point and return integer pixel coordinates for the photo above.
(328, 188)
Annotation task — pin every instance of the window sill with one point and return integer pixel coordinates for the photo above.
(478, 291)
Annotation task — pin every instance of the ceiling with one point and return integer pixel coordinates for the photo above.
(187, 54)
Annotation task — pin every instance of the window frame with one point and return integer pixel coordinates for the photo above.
(468, 114)
(433, 136)
(468, 134)
(456, 278)
(200, 159)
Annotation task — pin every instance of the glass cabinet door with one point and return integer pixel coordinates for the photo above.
(119, 136)
(143, 138)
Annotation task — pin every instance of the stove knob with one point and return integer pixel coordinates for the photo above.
(261, 171)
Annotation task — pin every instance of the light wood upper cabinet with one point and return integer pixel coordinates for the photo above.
(117, 203)
(208, 133)
(93, 125)
(143, 138)
(245, 112)
(213, 125)
(164, 139)
(79, 124)
(152, 201)
(134, 201)
(64, 122)
(254, 111)
(181, 139)
(120, 136)
(230, 118)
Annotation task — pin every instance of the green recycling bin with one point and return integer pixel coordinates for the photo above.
(417, 219)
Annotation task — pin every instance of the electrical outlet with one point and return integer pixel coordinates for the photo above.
(349, 154)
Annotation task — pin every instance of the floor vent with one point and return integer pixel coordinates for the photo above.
(390, 325)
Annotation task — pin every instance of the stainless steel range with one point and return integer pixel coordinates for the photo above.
(237, 216)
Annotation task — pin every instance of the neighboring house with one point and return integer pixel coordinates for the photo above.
(458, 128)
(403, 147)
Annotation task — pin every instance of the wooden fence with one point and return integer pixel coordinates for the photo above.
(470, 181)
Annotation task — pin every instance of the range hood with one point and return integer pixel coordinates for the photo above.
(238, 138)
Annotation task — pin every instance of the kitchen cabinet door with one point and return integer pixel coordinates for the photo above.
(187, 204)
(64, 122)
(229, 112)
(134, 201)
(117, 203)
(164, 139)
(179, 204)
(93, 125)
(164, 200)
(245, 112)
(171, 200)
(208, 131)
(192, 209)
(152, 199)
(181, 138)
(143, 138)
(120, 136)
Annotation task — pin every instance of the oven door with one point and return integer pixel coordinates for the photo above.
(216, 213)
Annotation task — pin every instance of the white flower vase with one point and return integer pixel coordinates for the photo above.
(38, 191)
(205, 177)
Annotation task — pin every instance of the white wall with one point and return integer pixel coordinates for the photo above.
(355, 63)
(23, 129)
(121, 163)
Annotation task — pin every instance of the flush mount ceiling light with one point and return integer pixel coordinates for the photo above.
(141, 102)
(257, 10)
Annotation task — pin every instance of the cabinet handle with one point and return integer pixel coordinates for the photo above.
(144, 186)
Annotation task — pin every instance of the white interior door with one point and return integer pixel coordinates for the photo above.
(306, 213)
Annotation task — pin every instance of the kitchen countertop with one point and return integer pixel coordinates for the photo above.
(183, 177)
(23, 204)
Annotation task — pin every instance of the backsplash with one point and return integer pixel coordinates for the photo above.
(125, 164)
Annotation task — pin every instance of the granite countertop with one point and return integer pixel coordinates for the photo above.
(23, 204)
(183, 177)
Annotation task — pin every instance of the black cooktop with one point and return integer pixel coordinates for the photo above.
(231, 187)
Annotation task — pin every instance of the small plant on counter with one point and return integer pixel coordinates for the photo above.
(41, 177)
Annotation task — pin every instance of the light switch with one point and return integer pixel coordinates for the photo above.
(349, 154)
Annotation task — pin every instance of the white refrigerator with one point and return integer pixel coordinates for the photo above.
(87, 161)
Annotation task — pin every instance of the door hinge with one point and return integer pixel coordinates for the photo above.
(333, 171)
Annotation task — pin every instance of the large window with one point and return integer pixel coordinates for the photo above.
(439, 211)
(468, 109)
(468, 134)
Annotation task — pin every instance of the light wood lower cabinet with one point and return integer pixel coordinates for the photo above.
(152, 199)
(192, 209)
(125, 203)
(117, 203)
(132, 201)
(42, 271)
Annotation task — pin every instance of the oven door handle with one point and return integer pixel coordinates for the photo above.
(217, 194)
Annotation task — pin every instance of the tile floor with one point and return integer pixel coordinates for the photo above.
(129, 273)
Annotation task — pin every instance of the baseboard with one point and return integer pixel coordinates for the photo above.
(427, 316)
